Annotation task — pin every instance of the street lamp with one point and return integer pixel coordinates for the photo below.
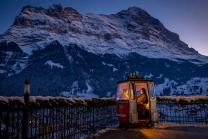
(27, 91)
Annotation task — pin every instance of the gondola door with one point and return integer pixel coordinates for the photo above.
(133, 114)
(123, 103)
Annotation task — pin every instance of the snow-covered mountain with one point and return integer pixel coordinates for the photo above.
(64, 52)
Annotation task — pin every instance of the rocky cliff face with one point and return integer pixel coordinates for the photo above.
(64, 52)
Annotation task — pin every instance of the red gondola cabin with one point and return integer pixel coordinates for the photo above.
(136, 102)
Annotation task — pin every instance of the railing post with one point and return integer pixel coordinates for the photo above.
(93, 118)
(25, 120)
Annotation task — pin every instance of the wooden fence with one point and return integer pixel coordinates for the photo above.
(183, 110)
(59, 117)
(54, 117)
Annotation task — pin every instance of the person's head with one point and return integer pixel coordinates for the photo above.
(143, 91)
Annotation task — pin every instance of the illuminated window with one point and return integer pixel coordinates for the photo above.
(122, 92)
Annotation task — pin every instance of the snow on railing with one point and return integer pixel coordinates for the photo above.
(185, 98)
(37, 100)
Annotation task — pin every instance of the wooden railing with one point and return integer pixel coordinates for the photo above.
(183, 110)
(60, 117)
(54, 117)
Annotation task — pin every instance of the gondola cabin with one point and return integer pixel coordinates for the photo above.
(136, 101)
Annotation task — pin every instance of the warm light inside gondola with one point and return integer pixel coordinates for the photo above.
(123, 92)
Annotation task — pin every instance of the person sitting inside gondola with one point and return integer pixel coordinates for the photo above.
(142, 100)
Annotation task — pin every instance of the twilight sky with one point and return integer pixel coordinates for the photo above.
(188, 18)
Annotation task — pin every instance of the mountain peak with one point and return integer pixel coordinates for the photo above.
(58, 9)
(136, 11)
(130, 30)
(30, 8)
(31, 15)
(139, 16)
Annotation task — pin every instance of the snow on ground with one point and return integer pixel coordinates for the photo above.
(8, 56)
(109, 94)
(115, 69)
(19, 66)
(166, 84)
(194, 86)
(160, 76)
(149, 76)
(53, 64)
(109, 65)
(88, 93)
(75, 91)
(2, 71)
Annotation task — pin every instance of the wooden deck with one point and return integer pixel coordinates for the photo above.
(154, 133)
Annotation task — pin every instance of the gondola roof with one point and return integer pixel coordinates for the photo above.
(136, 78)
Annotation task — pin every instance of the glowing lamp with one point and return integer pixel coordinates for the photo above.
(27, 92)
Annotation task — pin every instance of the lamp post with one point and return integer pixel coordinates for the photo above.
(27, 92)
(25, 120)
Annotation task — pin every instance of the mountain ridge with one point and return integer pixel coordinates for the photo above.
(147, 35)
(64, 52)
